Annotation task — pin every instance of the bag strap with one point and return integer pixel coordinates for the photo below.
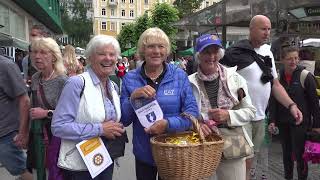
(43, 97)
(84, 84)
(303, 76)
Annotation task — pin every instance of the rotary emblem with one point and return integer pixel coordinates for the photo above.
(97, 159)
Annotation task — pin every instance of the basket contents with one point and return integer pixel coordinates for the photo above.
(183, 139)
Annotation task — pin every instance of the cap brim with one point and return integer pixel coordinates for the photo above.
(213, 43)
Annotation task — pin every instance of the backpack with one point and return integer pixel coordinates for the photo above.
(303, 76)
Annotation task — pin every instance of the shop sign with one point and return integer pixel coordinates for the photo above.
(312, 11)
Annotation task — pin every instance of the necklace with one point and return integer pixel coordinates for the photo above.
(42, 79)
(153, 78)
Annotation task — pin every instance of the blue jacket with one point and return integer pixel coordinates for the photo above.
(174, 96)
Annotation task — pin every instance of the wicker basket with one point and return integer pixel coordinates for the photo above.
(187, 162)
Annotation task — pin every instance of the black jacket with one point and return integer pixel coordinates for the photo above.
(305, 98)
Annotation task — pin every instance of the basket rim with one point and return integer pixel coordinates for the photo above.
(154, 142)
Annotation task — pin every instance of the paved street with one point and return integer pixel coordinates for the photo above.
(275, 170)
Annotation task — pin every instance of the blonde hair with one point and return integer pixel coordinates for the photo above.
(50, 44)
(150, 36)
(70, 60)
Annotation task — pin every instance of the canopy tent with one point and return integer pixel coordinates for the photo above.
(8, 40)
(129, 52)
(311, 42)
(187, 52)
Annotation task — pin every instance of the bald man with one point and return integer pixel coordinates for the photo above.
(255, 63)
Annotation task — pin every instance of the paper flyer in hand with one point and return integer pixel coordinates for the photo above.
(95, 155)
(147, 110)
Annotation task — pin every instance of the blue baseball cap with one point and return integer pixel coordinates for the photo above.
(207, 40)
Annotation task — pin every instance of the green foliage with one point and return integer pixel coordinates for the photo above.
(78, 26)
(162, 16)
(187, 7)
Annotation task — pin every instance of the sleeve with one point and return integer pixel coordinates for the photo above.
(273, 106)
(312, 99)
(245, 111)
(127, 111)
(63, 123)
(14, 85)
(273, 69)
(189, 105)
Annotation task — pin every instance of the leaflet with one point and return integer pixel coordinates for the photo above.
(147, 110)
(95, 155)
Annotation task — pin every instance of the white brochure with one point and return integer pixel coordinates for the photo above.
(147, 110)
(95, 155)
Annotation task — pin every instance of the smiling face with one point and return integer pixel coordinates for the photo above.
(290, 61)
(209, 58)
(103, 61)
(155, 54)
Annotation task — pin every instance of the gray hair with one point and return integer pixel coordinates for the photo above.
(220, 54)
(101, 40)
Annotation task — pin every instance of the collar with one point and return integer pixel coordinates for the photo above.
(143, 74)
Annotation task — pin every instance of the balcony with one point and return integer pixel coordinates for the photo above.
(113, 2)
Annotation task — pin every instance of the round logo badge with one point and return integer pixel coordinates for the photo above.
(97, 159)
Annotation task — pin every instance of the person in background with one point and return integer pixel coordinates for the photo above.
(46, 88)
(216, 89)
(168, 84)
(293, 136)
(14, 122)
(28, 70)
(255, 63)
(70, 61)
(120, 68)
(89, 107)
(126, 63)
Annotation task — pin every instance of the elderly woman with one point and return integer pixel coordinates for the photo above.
(218, 90)
(46, 87)
(166, 83)
(89, 107)
(293, 137)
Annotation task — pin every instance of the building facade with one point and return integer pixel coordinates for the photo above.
(109, 16)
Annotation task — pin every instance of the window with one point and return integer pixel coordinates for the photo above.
(123, 1)
(207, 3)
(112, 12)
(103, 0)
(131, 13)
(103, 25)
(103, 12)
(112, 1)
(123, 12)
(146, 1)
(122, 24)
(131, 2)
(112, 26)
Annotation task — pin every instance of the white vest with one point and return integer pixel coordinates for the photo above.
(91, 110)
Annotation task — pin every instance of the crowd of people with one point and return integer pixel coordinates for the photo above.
(225, 89)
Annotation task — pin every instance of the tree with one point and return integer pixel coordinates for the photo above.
(77, 25)
(186, 7)
(127, 35)
(163, 15)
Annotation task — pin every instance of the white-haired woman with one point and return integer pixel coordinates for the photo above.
(165, 82)
(46, 87)
(218, 90)
(89, 107)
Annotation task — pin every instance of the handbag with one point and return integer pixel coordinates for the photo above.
(116, 147)
(235, 143)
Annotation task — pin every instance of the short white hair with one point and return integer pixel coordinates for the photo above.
(101, 40)
(220, 54)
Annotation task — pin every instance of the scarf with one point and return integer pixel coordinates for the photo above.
(225, 99)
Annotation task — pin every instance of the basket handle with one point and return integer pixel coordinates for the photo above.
(196, 125)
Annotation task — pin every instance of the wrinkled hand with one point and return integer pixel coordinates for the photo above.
(145, 91)
(316, 130)
(296, 113)
(21, 140)
(158, 127)
(205, 129)
(271, 127)
(38, 113)
(219, 115)
(112, 129)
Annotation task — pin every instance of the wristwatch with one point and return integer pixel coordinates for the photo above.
(50, 113)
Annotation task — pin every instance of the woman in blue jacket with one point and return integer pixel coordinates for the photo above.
(164, 82)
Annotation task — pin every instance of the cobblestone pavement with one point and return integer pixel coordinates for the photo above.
(126, 171)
